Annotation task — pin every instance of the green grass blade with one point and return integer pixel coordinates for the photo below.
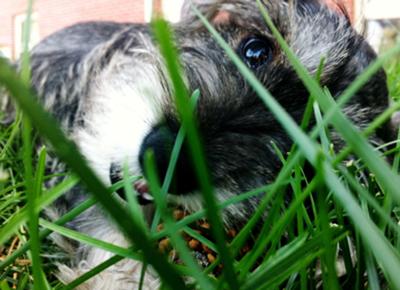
(133, 205)
(33, 192)
(372, 274)
(22, 284)
(328, 261)
(4, 285)
(164, 37)
(174, 159)
(369, 260)
(85, 239)
(33, 219)
(33, 216)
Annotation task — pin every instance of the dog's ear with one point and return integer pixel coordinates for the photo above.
(226, 11)
(209, 8)
(216, 11)
(221, 16)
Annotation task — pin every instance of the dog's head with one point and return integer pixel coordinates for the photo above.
(238, 132)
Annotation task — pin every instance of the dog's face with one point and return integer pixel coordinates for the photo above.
(237, 129)
(130, 106)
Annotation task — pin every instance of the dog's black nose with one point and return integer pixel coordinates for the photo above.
(161, 140)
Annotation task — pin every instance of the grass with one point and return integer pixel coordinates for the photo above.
(342, 209)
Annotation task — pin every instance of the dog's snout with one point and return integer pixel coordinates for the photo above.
(161, 140)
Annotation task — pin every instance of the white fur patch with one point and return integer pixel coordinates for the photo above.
(120, 116)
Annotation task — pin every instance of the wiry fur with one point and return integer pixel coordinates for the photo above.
(106, 84)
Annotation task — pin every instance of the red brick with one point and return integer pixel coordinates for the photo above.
(56, 14)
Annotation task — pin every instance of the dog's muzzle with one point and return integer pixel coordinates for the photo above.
(160, 140)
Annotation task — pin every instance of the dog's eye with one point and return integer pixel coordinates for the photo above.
(256, 51)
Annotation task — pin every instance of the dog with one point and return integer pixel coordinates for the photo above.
(106, 84)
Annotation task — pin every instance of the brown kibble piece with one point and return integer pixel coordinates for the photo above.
(203, 254)
(160, 227)
(178, 214)
(232, 233)
(210, 258)
(164, 245)
(194, 244)
(205, 225)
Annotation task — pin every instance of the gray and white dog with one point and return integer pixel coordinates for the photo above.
(106, 84)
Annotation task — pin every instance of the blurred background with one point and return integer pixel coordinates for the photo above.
(379, 19)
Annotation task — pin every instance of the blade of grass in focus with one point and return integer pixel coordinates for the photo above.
(85, 239)
(33, 192)
(174, 159)
(164, 36)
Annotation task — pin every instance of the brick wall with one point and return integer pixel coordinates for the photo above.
(56, 14)
(8, 10)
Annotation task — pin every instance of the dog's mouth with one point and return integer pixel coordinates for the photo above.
(140, 187)
(143, 193)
